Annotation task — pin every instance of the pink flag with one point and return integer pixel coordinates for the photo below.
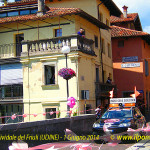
(111, 93)
(136, 93)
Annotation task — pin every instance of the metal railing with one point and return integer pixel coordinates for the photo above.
(103, 89)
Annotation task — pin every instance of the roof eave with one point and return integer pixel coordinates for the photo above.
(144, 37)
(112, 7)
(93, 20)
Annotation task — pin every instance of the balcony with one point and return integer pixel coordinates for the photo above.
(10, 50)
(54, 45)
(103, 89)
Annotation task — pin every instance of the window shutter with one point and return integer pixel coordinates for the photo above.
(84, 94)
(146, 68)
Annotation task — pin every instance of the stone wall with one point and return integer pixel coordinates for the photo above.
(31, 132)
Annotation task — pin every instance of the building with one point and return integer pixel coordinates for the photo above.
(129, 21)
(38, 39)
(130, 48)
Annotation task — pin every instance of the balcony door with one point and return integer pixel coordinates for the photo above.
(19, 38)
(97, 74)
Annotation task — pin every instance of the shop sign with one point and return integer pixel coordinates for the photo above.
(130, 65)
(130, 59)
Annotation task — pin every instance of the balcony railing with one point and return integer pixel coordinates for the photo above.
(54, 45)
(10, 50)
(103, 89)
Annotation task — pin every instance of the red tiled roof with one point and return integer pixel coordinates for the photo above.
(124, 32)
(130, 17)
(114, 10)
(119, 32)
(51, 13)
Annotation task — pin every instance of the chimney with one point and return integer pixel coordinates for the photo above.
(41, 8)
(5, 2)
(125, 11)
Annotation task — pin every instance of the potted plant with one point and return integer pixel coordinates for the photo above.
(66, 73)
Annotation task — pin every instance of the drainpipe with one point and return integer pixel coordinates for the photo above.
(5, 2)
(101, 56)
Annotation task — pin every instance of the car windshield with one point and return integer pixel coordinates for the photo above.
(123, 113)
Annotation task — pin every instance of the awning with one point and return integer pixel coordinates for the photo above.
(11, 74)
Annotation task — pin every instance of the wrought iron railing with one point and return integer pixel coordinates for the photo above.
(103, 89)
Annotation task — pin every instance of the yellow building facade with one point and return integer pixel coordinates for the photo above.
(37, 96)
(41, 38)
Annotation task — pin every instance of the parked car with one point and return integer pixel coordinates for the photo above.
(119, 119)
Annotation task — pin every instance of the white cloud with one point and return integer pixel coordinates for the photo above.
(146, 29)
(134, 6)
(142, 7)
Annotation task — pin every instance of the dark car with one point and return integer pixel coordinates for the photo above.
(119, 119)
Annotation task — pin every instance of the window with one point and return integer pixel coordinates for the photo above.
(96, 41)
(13, 13)
(103, 46)
(58, 32)
(104, 76)
(11, 91)
(97, 74)
(50, 113)
(33, 11)
(24, 12)
(107, 22)
(49, 74)
(85, 94)
(12, 108)
(110, 75)
(8, 91)
(146, 68)
(19, 12)
(19, 38)
(3, 15)
(121, 43)
(109, 50)
(17, 91)
(101, 17)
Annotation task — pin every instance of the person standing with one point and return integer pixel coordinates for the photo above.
(98, 112)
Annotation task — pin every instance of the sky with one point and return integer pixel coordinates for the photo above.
(142, 7)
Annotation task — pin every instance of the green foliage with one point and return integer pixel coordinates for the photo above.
(75, 113)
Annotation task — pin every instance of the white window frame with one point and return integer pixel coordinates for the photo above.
(45, 107)
(56, 72)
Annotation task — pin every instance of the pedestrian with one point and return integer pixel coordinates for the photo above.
(98, 112)
(81, 33)
(108, 80)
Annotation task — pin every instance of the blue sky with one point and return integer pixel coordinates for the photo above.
(142, 7)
